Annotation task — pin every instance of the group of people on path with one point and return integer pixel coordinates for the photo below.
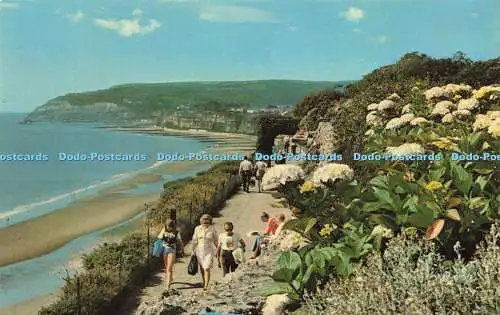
(247, 170)
(207, 245)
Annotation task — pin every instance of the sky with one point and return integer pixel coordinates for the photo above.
(54, 47)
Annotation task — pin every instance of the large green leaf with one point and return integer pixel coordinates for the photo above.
(291, 263)
(375, 206)
(383, 195)
(436, 174)
(462, 179)
(422, 218)
(283, 275)
(380, 181)
(310, 224)
(276, 288)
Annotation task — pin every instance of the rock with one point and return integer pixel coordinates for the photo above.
(275, 304)
(326, 138)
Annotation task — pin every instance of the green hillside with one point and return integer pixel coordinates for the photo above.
(151, 97)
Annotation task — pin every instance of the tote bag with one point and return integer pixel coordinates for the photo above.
(193, 265)
(158, 248)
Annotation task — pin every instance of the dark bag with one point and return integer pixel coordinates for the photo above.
(193, 265)
(158, 248)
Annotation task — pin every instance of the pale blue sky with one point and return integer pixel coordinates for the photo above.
(50, 47)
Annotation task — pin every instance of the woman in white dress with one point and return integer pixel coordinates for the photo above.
(205, 240)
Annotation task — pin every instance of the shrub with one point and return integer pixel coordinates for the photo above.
(412, 278)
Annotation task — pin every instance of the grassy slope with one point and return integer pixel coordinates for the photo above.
(152, 97)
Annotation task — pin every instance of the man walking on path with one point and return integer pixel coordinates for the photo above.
(245, 172)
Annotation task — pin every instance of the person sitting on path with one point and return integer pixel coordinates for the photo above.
(228, 243)
(204, 245)
(245, 172)
(260, 170)
(270, 229)
(171, 242)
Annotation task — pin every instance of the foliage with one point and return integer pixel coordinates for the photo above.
(112, 269)
(269, 127)
(412, 278)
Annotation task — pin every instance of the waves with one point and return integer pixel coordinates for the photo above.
(75, 194)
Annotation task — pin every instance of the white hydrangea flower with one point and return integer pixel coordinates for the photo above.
(372, 106)
(407, 118)
(369, 132)
(434, 93)
(394, 123)
(282, 173)
(486, 91)
(461, 113)
(442, 108)
(460, 89)
(406, 109)
(457, 97)
(385, 105)
(407, 148)
(481, 122)
(383, 231)
(469, 104)
(494, 129)
(493, 114)
(394, 97)
(332, 172)
(292, 240)
(448, 118)
(372, 119)
(418, 121)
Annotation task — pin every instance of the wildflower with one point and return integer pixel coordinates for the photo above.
(327, 229)
(406, 109)
(461, 113)
(282, 173)
(332, 172)
(383, 231)
(485, 146)
(385, 105)
(454, 202)
(292, 240)
(418, 121)
(433, 185)
(306, 187)
(373, 106)
(448, 118)
(469, 104)
(445, 143)
(442, 108)
(407, 148)
(369, 133)
(406, 118)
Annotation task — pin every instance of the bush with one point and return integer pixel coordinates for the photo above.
(412, 278)
(112, 270)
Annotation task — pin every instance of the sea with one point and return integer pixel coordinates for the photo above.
(33, 188)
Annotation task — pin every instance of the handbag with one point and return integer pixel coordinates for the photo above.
(158, 248)
(193, 265)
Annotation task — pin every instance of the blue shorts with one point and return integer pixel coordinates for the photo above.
(168, 250)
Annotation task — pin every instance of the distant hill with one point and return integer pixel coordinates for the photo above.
(133, 101)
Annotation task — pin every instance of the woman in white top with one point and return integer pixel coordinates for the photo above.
(171, 241)
(228, 243)
(204, 244)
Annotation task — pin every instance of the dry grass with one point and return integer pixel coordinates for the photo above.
(411, 278)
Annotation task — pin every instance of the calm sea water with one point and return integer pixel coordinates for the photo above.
(32, 188)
